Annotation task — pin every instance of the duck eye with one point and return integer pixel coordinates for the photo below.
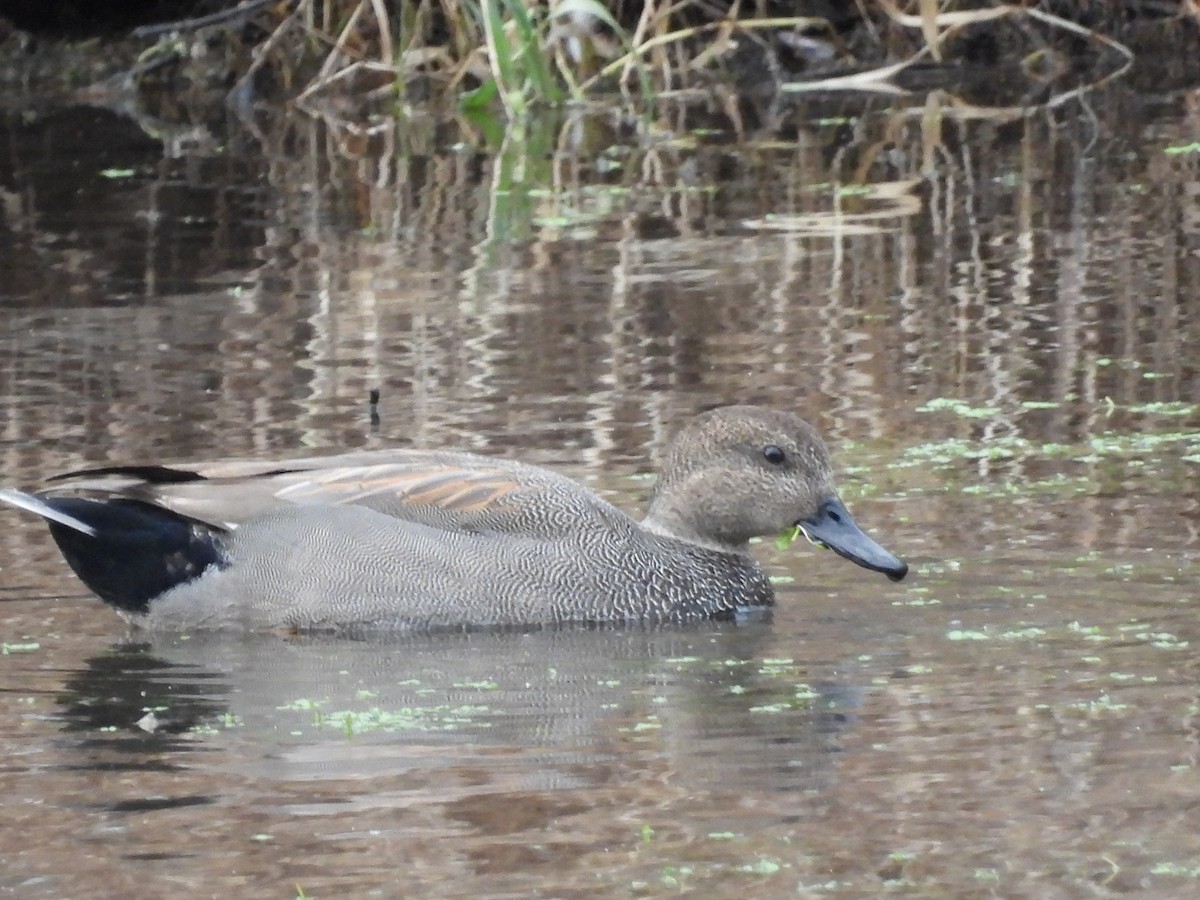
(774, 455)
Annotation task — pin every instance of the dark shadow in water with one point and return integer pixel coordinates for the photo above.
(119, 687)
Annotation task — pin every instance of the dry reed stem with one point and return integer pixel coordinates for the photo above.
(878, 79)
(929, 26)
(263, 50)
(332, 60)
(872, 80)
(953, 21)
(385, 31)
(674, 37)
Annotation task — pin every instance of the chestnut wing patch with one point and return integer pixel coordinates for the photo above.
(449, 488)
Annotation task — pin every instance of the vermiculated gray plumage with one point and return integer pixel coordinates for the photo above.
(423, 539)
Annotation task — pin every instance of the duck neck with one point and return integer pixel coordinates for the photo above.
(666, 523)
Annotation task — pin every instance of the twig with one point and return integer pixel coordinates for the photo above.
(241, 11)
(336, 53)
(639, 50)
(263, 49)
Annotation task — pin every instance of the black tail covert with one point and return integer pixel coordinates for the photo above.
(138, 552)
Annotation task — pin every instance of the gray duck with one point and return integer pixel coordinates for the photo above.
(416, 539)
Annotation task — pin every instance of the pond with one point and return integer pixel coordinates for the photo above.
(993, 314)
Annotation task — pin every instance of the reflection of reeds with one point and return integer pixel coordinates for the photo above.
(553, 286)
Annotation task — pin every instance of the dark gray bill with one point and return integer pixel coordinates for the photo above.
(834, 528)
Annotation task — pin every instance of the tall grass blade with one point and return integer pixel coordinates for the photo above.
(500, 58)
(533, 56)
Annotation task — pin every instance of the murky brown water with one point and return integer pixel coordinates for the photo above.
(995, 317)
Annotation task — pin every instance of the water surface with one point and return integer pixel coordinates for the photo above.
(992, 317)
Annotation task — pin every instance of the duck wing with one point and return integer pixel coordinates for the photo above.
(454, 491)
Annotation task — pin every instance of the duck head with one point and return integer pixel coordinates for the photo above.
(740, 472)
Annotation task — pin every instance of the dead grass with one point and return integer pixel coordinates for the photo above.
(520, 53)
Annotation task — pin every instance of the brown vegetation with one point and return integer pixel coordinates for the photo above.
(372, 54)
